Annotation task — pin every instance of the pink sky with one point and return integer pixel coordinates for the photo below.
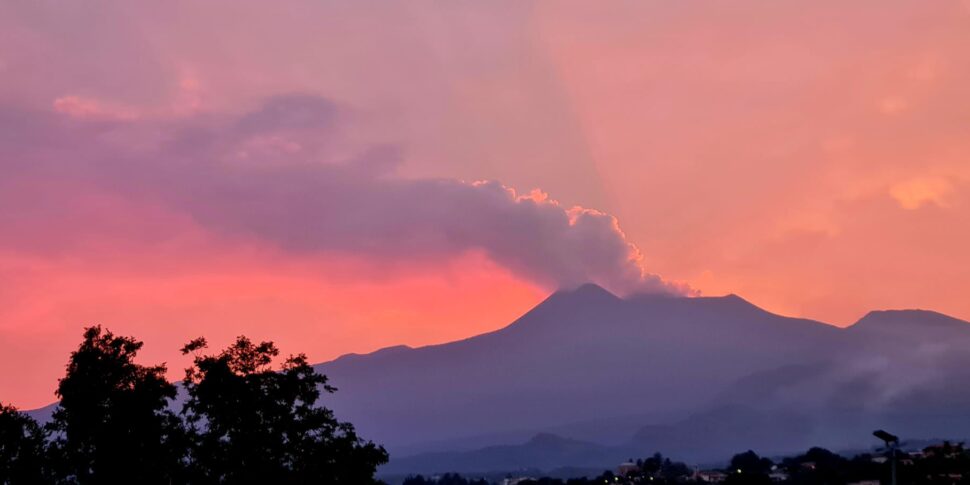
(343, 176)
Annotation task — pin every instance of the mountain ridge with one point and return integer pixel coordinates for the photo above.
(906, 316)
(593, 292)
(870, 318)
(658, 369)
(650, 373)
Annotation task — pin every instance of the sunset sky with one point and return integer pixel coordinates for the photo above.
(340, 176)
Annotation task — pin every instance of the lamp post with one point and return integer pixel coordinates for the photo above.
(892, 443)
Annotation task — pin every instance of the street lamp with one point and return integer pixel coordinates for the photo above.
(892, 443)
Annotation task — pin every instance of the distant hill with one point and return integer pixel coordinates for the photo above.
(696, 378)
(580, 355)
(542, 452)
(586, 378)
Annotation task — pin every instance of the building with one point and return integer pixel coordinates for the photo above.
(710, 476)
(626, 468)
(516, 481)
(778, 476)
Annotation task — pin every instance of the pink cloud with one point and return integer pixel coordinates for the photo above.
(79, 107)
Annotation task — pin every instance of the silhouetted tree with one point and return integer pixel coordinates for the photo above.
(253, 424)
(549, 481)
(657, 469)
(416, 480)
(652, 465)
(750, 469)
(818, 466)
(112, 424)
(22, 449)
(675, 471)
(455, 479)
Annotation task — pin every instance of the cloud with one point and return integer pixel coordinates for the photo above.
(915, 193)
(272, 175)
(80, 107)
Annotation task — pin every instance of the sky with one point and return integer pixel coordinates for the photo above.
(343, 176)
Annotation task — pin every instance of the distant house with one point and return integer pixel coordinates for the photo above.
(516, 481)
(710, 476)
(778, 476)
(626, 468)
(945, 450)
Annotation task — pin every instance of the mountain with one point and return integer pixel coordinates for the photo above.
(909, 327)
(578, 355)
(699, 378)
(42, 415)
(543, 451)
(586, 378)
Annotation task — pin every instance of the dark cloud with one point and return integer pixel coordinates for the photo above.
(269, 174)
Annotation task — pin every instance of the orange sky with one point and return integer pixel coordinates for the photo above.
(811, 156)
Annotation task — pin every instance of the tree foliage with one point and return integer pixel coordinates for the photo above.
(243, 422)
(113, 424)
(252, 423)
(658, 469)
(22, 449)
(749, 469)
(446, 479)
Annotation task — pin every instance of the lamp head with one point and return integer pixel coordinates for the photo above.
(886, 436)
